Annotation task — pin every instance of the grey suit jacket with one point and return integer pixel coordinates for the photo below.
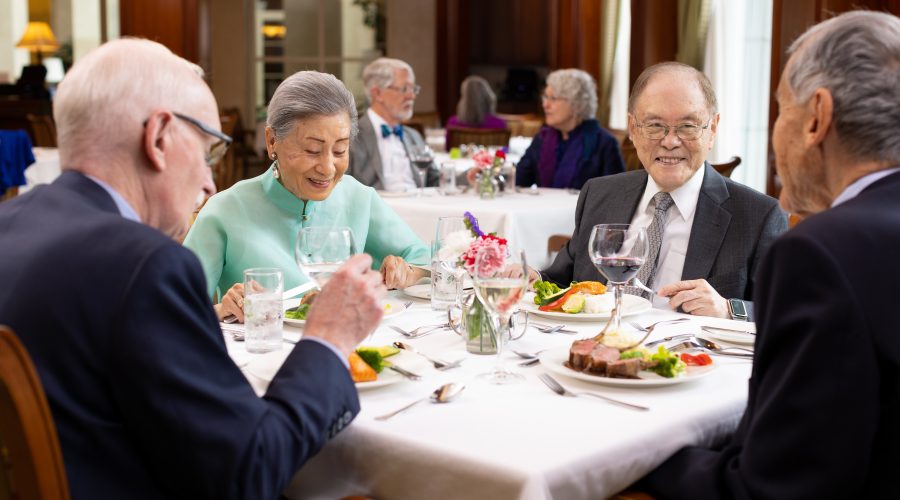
(733, 228)
(365, 160)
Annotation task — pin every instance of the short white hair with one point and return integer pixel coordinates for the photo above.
(380, 73)
(111, 91)
(856, 56)
(577, 87)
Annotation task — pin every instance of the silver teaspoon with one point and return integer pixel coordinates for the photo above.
(443, 394)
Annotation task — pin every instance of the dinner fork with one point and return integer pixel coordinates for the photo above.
(562, 391)
(438, 364)
(649, 329)
(420, 331)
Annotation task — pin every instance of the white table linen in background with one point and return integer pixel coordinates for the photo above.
(44, 170)
(526, 220)
(518, 441)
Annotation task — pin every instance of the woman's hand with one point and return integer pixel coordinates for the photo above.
(472, 173)
(232, 303)
(397, 273)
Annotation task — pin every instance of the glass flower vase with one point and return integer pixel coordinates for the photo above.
(487, 184)
(480, 336)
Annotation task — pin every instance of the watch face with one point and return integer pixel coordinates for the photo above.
(737, 308)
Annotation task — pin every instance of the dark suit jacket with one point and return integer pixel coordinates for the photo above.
(823, 414)
(146, 401)
(733, 227)
(365, 160)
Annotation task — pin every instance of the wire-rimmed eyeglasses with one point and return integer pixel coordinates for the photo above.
(415, 89)
(219, 148)
(686, 131)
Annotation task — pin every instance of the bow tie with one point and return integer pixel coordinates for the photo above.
(396, 130)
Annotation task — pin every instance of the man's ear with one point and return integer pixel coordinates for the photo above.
(157, 138)
(820, 108)
(713, 130)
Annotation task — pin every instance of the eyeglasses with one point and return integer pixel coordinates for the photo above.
(553, 98)
(218, 149)
(685, 131)
(415, 89)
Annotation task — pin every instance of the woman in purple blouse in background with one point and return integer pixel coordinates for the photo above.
(572, 147)
(476, 106)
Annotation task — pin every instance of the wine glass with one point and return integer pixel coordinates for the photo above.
(618, 251)
(500, 281)
(422, 157)
(320, 251)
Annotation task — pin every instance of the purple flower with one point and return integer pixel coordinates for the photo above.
(472, 225)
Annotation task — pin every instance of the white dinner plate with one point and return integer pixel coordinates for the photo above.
(392, 307)
(631, 305)
(553, 360)
(733, 336)
(397, 194)
(423, 290)
(265, 367)
(386, 377)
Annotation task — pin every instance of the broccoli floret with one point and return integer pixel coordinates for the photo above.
(298, 313)
(544, 289)
(372, 357)
(667, 364)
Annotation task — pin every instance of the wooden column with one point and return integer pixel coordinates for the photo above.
(654, 34)
(173, 23)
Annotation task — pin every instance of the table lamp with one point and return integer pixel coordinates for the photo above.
(38, 38)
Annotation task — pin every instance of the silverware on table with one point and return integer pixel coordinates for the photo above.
(420, 331)
(663, 340)
(713, 329)
(438, 364)
(406, 373)
(562, 391)
(691, 344)
(443, 394)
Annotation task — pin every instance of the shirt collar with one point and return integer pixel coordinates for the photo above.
(377, 122)
(125, 209)
(863, 182)
(685, 197)
(284, 199)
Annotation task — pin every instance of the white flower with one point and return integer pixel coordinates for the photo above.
(454, 245)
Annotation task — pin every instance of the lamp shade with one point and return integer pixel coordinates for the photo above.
(38, 37)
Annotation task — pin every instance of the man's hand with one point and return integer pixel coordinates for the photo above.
(397, 273)
(349, 306)
(696, 297)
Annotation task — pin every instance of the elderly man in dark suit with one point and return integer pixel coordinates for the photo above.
(115, 314)
(711, 231)
(380, 153)
(823, 414)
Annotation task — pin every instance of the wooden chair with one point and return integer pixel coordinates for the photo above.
(43, 130)
(32, 460)
(556, 242)
(725, 168)
(629, 152)
(479, 136)
(421, 121)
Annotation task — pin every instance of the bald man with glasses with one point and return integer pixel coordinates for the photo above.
(709, 232)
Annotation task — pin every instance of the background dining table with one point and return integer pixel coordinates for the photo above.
(519, 441)
(526, 217)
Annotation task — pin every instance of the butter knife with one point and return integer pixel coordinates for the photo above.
(712, 329)
(669, 339)
(406, 373)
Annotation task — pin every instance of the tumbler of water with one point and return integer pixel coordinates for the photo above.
(451, 239)
(263, 310)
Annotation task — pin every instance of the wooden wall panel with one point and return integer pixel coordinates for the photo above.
(173, 23)
(654, 34)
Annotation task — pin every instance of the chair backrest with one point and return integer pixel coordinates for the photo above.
(480, 136)
(556, 242)
(725, 168)
(43, 130)
(32, 460)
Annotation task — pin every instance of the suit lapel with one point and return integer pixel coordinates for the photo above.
(710, 225)
(370, 144)
(408, 144)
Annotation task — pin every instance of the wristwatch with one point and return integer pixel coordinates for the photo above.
(738, 310)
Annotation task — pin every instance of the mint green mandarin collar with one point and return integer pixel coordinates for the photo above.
(284, 199)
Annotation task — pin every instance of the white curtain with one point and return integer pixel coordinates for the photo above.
(618, 95)
(738, 58)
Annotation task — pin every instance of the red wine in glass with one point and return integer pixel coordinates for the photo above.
(618, 269)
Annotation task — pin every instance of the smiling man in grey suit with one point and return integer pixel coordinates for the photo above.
(713, 230)
(379, 155)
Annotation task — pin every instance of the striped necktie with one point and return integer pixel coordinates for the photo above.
(662, 201)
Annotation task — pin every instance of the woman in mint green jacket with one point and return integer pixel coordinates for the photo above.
(311, 120)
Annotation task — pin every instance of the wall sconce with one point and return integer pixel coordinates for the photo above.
(274, 30)
(38, 38)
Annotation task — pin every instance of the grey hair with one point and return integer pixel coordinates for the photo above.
(380, 73)
(856, 56)
(309, 94)
(477, 101)
(577, 87)
(709, 94)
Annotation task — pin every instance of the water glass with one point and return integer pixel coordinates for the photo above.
(263, 288)
(447, 183)
(451, 239)
(320, 251)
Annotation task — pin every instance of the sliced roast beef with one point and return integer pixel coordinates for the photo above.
(623, 368)
(579, 354)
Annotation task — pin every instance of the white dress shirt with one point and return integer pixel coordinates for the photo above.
(395, 166)
(863, 182)
(677, 233)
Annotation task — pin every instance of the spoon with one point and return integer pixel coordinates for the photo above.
(438, 364)
(443, 394)
(709, 344)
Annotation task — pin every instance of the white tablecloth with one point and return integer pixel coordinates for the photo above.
(527, 221)
(509, 442)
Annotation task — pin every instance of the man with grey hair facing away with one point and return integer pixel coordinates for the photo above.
(823, 413)
(380, 153)
(115, 313)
